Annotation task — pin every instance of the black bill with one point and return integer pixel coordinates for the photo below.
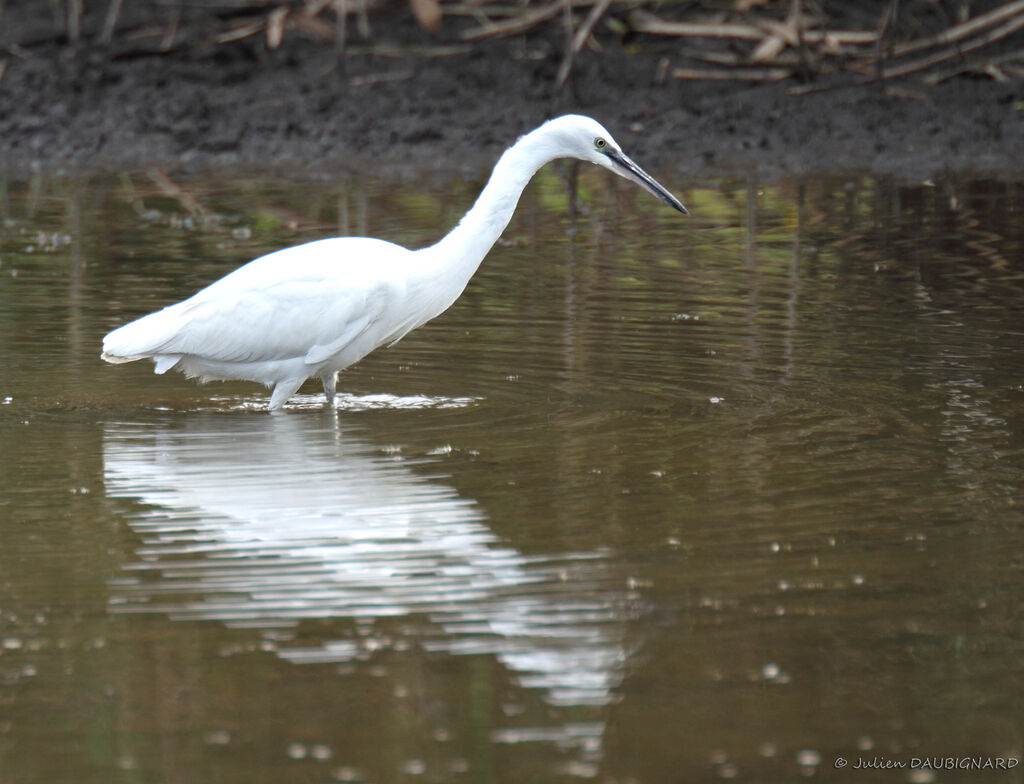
(625, 166)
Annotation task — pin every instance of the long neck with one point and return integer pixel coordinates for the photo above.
(460, 252)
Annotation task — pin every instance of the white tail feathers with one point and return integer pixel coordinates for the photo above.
(143, 338)
(118, 348)
(114, 359)
(163, 362)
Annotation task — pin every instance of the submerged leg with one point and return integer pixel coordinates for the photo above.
(330, 382)
(284, 390)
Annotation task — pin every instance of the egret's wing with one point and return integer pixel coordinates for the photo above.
(350, 332)
(310, 300)
(287, 321)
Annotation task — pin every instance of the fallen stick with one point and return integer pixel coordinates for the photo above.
(113, 11)
(926, 62)
(275, 26)
(311, 25)
(580, 38)
(781, 35)
(841, 36)
(719, 57)
(511, 10)
(238, 33)
(172, 30)
(997, 63)
(954, 51)
(567, 23)
(476, 11)
(74, 20)
(645, 22)
(733, 74)
(395, 50)
(513, 26)
(959, 31)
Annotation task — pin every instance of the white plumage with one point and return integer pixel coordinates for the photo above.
(314, 309)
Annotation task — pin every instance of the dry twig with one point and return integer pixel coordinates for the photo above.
(960, 31)
(580, 38)
(515, 25)
(113, 11)
(733, 74)
(952, 52)
(275, 26)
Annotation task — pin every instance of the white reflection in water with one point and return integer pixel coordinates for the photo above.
(264, 521)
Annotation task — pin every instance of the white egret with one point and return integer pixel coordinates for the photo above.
(314, 309)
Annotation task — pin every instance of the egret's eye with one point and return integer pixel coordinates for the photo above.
(600, 143)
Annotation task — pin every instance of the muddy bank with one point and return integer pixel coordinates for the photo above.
(300, 110)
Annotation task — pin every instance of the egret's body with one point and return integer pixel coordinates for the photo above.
(314, 309)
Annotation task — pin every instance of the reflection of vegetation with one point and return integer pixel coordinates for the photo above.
(147, 219)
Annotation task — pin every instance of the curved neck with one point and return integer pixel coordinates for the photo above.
(465, 246)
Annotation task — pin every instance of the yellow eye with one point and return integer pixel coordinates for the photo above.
(600, 143)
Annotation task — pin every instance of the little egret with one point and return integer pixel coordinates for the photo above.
(314, 309)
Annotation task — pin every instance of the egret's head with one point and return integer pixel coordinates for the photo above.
(581, 137)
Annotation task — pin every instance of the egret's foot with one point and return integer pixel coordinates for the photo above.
(330, 383)
(284, 390)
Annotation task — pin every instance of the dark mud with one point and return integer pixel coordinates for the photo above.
(303, 111)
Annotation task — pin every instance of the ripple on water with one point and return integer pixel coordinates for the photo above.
(345, 402)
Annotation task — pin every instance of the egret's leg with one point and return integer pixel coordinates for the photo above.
(284, 390)
(330, 382)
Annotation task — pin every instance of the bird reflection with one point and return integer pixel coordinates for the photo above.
(262, 523)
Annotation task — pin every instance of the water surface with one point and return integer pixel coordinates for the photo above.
(660, 499)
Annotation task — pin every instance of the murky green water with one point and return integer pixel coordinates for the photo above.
(659, 500)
